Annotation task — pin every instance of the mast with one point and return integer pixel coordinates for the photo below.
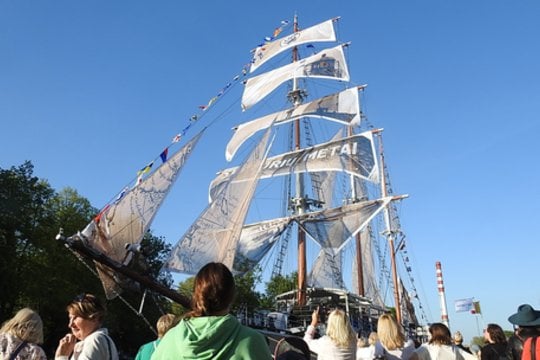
(358, 238)
(389, 232)
(296, 96)
(359, 265)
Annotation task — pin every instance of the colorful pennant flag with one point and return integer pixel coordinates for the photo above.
(476, 308)
(121, 195)
(100, 214)
(145, 169)
(178, 137)
(164, 154)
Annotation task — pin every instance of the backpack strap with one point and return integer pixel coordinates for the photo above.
(17, 350)
(533, 347)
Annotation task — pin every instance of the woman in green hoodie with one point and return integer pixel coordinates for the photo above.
(209, 331)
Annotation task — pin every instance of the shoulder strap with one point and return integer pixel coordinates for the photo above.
(457, 352)
(17, 350)
(533, 347)
(109, 346)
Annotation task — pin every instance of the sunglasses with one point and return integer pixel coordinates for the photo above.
(80, 298)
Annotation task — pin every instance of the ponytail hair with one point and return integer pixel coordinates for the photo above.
(213, 290)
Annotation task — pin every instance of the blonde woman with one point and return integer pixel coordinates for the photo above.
(164, 324)
(20, 335)
(339, 341)
(392, 344)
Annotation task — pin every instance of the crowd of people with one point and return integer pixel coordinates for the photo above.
(209, 331)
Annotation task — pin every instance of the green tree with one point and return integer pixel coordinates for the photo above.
(69, 275)
(35, 270)
(186, 288)
(22, 212)
(247, 299)
(277, 285)
(39, 272)
(478, 340)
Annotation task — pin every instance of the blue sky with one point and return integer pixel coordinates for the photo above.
(92, 91)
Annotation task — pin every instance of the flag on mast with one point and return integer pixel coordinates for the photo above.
(476, 308)
(464, 305)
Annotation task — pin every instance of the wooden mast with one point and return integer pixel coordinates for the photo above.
(296, 96)
(359, 265)
(358, 238)
(390, 233)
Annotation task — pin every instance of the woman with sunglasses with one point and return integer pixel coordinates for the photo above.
(88, 339)
(496, 344)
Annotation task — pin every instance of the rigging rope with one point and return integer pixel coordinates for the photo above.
(140, 315)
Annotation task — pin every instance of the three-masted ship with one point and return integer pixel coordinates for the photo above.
(323, 163)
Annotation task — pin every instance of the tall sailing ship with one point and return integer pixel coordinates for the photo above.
(311, 186)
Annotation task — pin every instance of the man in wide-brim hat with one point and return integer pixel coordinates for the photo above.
(526, 325)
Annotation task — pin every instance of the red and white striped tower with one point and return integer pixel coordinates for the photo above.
(442, 296)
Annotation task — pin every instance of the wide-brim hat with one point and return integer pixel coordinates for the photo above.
(525, 316)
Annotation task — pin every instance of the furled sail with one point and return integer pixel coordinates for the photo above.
(371, 289)
(332, 228)
(127, 219)
(326, 272)
(327, 64)
(215, 234)
(409, 314)
(342, 107)
(354, 155)
(320, 32)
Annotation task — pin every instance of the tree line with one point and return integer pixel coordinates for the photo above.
(39, 272)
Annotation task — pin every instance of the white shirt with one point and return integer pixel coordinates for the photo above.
(325, 348)
(365, 353)
(96, 346)
(442, 352)
(403, 353)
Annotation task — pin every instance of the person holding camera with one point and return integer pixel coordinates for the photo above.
(340, 340)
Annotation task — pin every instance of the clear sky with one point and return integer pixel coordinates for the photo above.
(92, 91)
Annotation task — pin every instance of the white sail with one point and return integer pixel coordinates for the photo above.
(342, 107)
(320, 32)
(256, 240)
(354, 155)
(323, 183)
(215, 234)
(333, 228)
(327, 64)
(127, 219)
